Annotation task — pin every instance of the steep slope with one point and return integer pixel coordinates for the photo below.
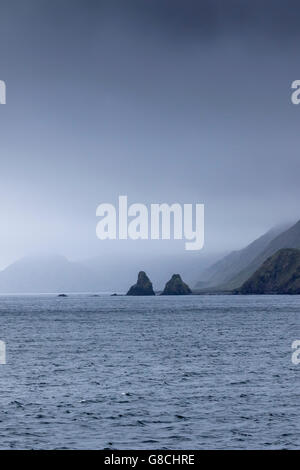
(228, 267)
(279, 274)
(290, 238)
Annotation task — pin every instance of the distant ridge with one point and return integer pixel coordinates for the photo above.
(50, 273)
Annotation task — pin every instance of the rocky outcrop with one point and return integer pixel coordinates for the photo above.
(143, 286)
(279, 274)
(176, 286)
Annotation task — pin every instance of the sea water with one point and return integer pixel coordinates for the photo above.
(191, 372)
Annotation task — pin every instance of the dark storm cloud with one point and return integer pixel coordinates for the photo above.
(214, 17)
(182, 18)
(209, 17)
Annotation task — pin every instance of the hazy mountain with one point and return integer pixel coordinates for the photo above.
(47, 274)
(279, 274)
(231, 265)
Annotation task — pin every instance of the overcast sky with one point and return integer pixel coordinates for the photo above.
(163, 101)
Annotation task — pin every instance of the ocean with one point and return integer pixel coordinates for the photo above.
(190, 372)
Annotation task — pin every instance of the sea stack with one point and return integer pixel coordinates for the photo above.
(142, 287)
(176, 286)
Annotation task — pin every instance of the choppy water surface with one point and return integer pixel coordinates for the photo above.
(175, 372)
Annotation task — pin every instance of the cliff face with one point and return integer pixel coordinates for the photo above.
(229, 267)
(142, 287)
(236, 268)
(279, 274)
(287, 239)
(176, 286)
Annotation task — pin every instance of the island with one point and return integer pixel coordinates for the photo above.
(142, 287)
(176, 286)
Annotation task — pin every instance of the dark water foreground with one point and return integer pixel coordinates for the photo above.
(117, 372)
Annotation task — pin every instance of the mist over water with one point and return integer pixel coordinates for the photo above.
(162, 101)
